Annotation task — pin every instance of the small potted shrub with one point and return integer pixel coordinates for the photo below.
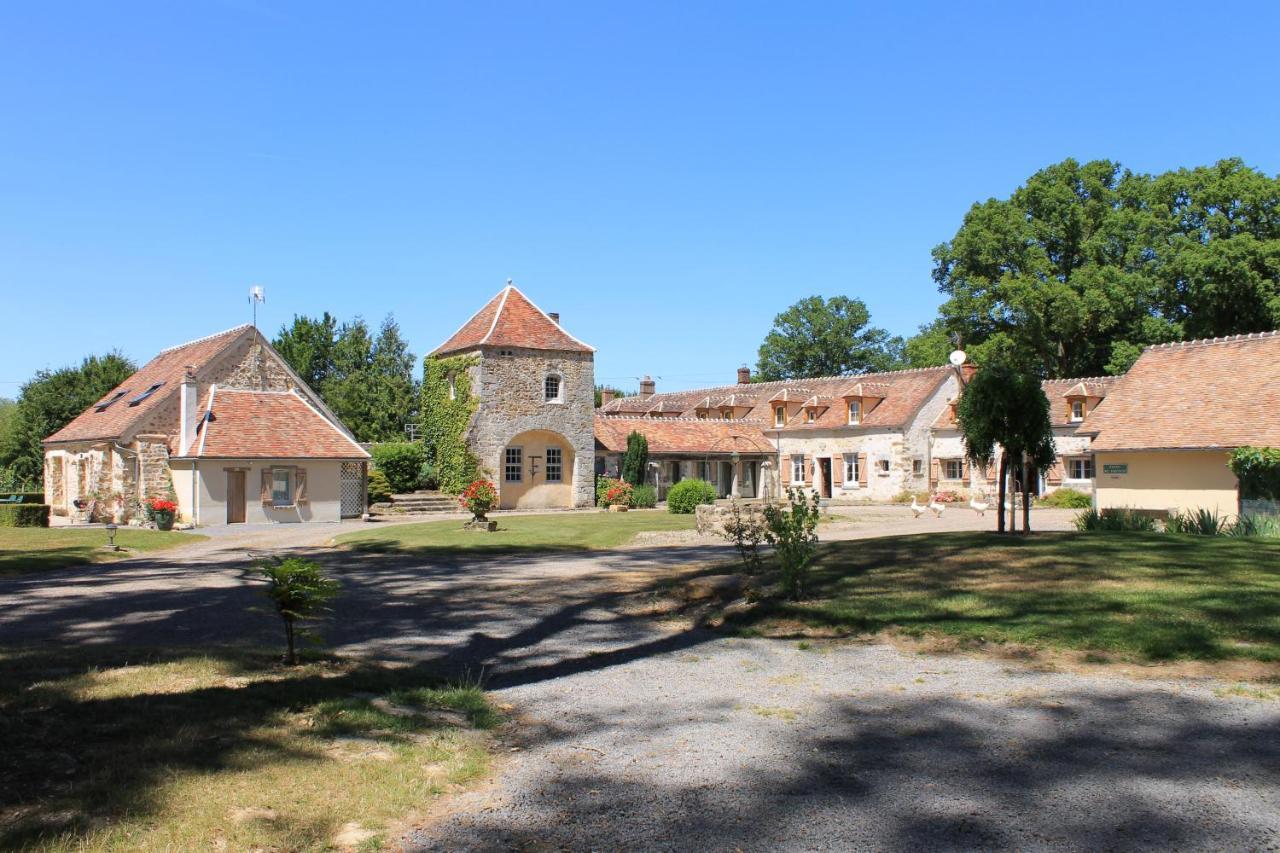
(478, 498)
(163, 513)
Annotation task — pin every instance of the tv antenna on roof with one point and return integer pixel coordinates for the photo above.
(256, 295)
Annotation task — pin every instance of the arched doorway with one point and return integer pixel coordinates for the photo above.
(536, 471)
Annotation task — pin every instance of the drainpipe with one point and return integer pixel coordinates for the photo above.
(195, 497)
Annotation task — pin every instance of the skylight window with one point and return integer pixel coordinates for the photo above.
(145, 394)
(102, 407)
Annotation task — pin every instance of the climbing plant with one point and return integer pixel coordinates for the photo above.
(447, 407)
(1258, 470)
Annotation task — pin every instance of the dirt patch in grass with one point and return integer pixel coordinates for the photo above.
(157, 751)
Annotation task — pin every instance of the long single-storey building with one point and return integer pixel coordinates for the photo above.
(1164, 434)
(223, 427)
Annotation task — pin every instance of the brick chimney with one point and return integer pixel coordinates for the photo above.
(607, 397)
(967, 370)
(744, 375)
(648, 387)
(188, 409)
(555, 317)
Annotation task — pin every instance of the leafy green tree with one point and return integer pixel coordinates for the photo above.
(636, 459)
(929, 347)
(307, 344)
(368, 382)
(826, 337)
(49, 402)
(1007, 408)
(1085, 264)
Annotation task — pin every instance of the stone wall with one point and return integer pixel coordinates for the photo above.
(153, 467)
(511, 402)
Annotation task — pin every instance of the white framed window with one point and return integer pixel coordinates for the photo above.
(552, 388)
(1080, 468)
(513, 465)
(1077, 410)
(917, 466)
(726, 414)
(555, 465)
(855, 412)
(953, 469)
(810, 415)
(779, 416)
(797, 468)
(282, 487)
(851, 472)
(882, 467)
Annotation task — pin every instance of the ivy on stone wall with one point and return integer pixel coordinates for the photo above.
(445, 418)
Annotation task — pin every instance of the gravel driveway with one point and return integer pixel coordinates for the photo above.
(641, 735)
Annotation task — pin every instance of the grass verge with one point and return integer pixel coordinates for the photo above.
(570, 531)
(1150, 597)
(153, 751)
(30, 549)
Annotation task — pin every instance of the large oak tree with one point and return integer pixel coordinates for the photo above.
(826, 337)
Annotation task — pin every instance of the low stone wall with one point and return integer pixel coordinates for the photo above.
(711, 518)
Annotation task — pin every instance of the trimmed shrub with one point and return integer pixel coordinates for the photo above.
(644, 497)
(401, 461)
(685, 496)
(24, 515)
(1067, 499)
(379, 488)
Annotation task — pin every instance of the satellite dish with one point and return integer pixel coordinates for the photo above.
(957, 358)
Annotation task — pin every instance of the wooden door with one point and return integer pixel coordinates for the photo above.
(824, 465)
(235, 497)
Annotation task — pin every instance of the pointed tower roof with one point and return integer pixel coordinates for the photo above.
(510, 319)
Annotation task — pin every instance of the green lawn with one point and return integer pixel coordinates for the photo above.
(25, 549)
(1140, 596)
(568, 531)
(146, 750)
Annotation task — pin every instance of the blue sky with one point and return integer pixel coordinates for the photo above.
(667, 176)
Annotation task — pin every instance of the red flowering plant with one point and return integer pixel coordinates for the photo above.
(162, 505)
(162, 512)
(619, 493)
(947, 497)
(478, 498)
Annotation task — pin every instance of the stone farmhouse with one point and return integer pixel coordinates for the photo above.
(222, 426)
(1163, 437)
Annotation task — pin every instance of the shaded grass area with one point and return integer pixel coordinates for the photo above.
(570, 531)
(1142, 596)
(30, 549)
(181, 751)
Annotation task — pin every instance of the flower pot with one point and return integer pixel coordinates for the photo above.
(164, 519)
(618, 507)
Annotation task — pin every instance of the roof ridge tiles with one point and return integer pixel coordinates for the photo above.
(1225, 339)
(224, 332)
(798, 383)
(647, 419)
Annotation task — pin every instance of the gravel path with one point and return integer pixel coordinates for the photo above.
(641, 735)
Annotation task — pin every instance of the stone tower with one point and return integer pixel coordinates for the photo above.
(533, 428)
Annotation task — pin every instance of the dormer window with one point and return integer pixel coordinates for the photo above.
(145, 394)
(552, 388)
(726, 414)
(1077, 411)
(810, 415)
(702, 414)
(855, 412)
(779, 416)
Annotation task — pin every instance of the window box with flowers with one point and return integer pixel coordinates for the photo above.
(163, 513)
(477, 499)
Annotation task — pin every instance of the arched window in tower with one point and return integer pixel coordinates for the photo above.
(551, 388)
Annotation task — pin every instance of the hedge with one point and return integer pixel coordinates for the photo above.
(24, 515)
(400, 461)
(23, 497)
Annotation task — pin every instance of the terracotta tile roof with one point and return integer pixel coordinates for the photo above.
(682, 435)
(268, 425)
(511, 320)
(118, 420)
(1216, 393)
(1056, 390)
(904, 392)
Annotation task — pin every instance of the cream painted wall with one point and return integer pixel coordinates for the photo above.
(322, 491)
(533, 491)
(1162, 480)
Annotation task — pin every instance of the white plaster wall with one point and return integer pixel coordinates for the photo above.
(324, 503)
(833, 445)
